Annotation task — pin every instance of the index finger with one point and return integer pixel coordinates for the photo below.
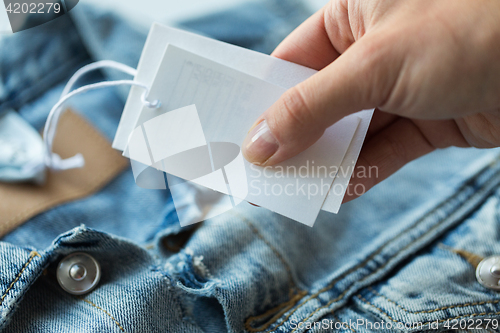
(309, 45)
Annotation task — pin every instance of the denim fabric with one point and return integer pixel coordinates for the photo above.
(388, 256)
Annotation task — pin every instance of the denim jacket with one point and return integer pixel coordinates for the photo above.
(396, 259)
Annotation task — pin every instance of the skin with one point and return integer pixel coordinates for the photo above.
(430, 68)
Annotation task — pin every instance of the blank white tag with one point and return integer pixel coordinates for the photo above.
(261, 66)
(204, 102)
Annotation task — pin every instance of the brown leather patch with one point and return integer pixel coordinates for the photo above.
(19, 202)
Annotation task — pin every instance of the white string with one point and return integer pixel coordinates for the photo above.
(97, 65)
(53, 160)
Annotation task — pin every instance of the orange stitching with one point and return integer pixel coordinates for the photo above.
(331, 284)
(366, 277)
(281, 308)
(322, 307)
(365, 301)
(106, 312)
(379, 250)
(345, 291)
(428, 322)
(348, 325)
(368, 259)
(267, 313)
(433, 310)
(276, 252)
(32, 255)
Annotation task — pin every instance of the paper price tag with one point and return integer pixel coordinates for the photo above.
(214, 78)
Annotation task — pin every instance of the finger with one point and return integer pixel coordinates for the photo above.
(385, 153)
(309, 44)
(360, 78)
(442, 133)
(380, 120)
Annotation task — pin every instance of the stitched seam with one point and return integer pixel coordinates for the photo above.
(365, 301)
(276, 252)
(282, 308)
(54, 284)
(310, 315)
(380, 249)
(337, 319)
(32, 255)
(267, 313)
(106, 312)
(433, 310)
(373, 255)
(428, 322)
(366, 277)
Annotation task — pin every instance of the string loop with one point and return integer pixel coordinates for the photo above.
(54, 161)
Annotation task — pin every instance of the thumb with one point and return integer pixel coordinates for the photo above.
(361, 78)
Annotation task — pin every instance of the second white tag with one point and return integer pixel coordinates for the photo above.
(207, 106)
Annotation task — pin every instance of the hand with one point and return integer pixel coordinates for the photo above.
(431, 68)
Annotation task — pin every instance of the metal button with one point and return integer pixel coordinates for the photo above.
(78, 273)
(488, 272)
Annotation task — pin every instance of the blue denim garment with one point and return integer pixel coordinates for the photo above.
(388, 256)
